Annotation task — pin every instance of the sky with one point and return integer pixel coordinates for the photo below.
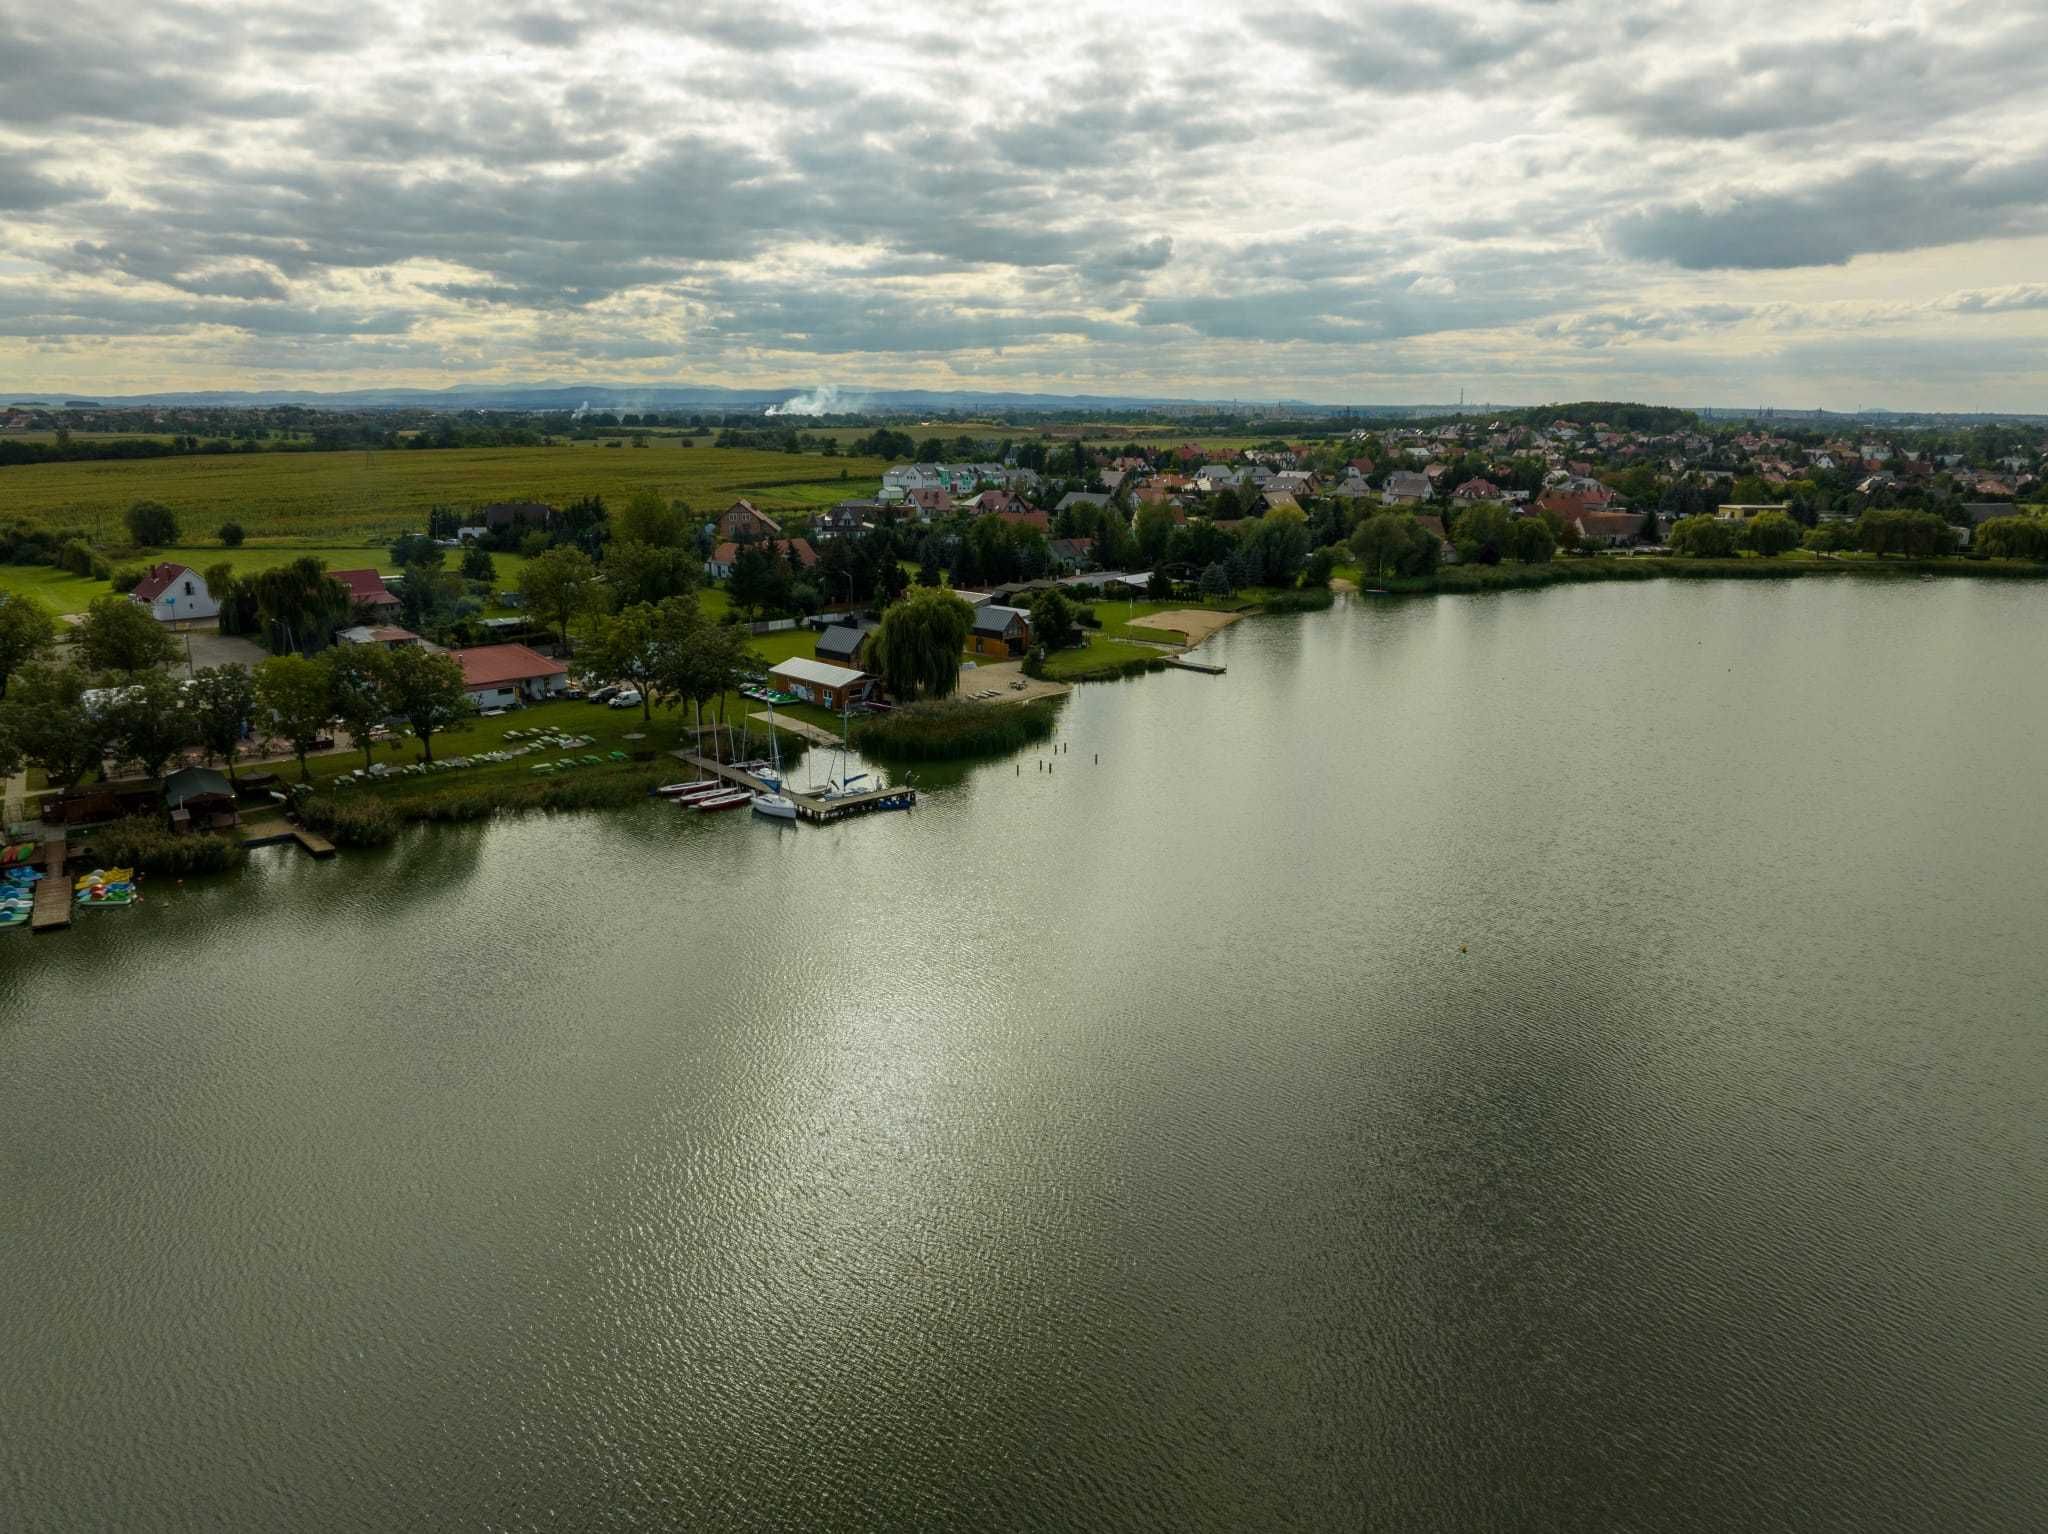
(1826, 204)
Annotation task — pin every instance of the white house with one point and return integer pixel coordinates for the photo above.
(174, 592)
(501, 675)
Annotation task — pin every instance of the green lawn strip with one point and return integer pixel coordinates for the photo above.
(1101, 659)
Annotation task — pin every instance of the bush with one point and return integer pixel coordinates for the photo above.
(152, 525)
(146, 843)
(126, 579)
(230, 535)
(1311, 600)
(948, 730)
(351, 822)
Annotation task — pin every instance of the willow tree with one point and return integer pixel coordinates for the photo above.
(918, 649)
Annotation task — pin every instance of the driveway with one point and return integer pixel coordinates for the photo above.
(212, 649)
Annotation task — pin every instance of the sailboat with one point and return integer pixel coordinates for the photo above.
(845, 785)
(775, 803)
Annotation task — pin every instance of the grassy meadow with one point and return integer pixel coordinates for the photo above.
(354, 498)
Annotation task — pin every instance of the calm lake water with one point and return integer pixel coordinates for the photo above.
(1567, 1060)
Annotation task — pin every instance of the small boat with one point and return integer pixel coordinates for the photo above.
(775, 806)
(670, 790)
(698, 795)
(730, 800)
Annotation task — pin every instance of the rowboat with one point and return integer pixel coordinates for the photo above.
(732, 799)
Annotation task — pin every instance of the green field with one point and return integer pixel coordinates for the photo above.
(330, 499)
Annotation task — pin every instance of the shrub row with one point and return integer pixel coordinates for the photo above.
(143, 842)
(951, 729)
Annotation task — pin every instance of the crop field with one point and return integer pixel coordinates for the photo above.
(337, 499)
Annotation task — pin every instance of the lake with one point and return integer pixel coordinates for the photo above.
(1568, 1059)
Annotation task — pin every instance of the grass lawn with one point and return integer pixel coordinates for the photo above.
(58, 590)
(1098, 656)
(775, 648)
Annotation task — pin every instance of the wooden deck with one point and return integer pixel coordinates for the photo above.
(53, 906)
(313, 842)
(808, 806)
(1182, 663)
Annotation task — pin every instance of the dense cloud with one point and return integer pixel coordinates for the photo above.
(1341, 201)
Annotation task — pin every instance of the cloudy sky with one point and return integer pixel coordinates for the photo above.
(1730, 202)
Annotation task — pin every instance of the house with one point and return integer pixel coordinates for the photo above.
(519, 515)
(1000, 631)
(1433, 524)
(503, 675)
(1608, 529)
(1073, 498)
(930, 505)
(1073, 553)
(1027, 516)
(797, 551)
(848, 518)
(1405, 487)
(200, 799)
(1477, 490)
(367, 592)
(906, 477)
(173, 592)
(742, 523)
(383, 635)
(972, 598)
(1981, 511)
(820, 682)
(847, 644)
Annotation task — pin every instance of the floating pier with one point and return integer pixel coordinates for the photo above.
(1182, 663)
(811, 807)
(52, 911)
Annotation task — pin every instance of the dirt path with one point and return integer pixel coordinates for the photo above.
(1196, 623)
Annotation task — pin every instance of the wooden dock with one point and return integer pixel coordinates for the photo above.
(811, 807)
(1181, 662)
(53, 906)
(313, 842)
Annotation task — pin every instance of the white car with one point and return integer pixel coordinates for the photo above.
(630, 698)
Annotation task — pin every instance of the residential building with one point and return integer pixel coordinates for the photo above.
(367, 593)
(1405, 487)
(1742, 512)
(1000, 631)
(505, 675)
(173, 593)
(1608, 529)
(797, 551)
(1073, 553)
(848, 644)
(742, 522)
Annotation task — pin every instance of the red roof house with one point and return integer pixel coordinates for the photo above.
(500, 675)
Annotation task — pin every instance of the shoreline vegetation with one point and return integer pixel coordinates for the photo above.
(1458, 580)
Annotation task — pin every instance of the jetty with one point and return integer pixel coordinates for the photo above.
(1182, 663)
(312, 841)
(53, 905)
(812, 807)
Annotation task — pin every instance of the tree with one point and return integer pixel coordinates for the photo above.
(1999, 537)
(650, 520)
(918, 647)
(1216, 581)
(647, 645)
(636, 572)
(477, 565)
(1705, 537)
(120, 635)
(1379, 538)
(560, 586)
(291, 700)
(1052, 619)
(230, 535)
(1481, 533)
(755, 583)
(929, 574)
(1159, 585)
(46, 717)
(1529, 541)
(355, 693)
(152, 525)
(425, 689)
(27, 631)
(1152, 528)
(890, 582)
(1650, 532)
(149, 721)
(1771, 533)
(299, 605)
(416, 551)
(222, 701)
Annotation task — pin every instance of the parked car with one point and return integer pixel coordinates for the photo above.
(603, 694)
(630, 698)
